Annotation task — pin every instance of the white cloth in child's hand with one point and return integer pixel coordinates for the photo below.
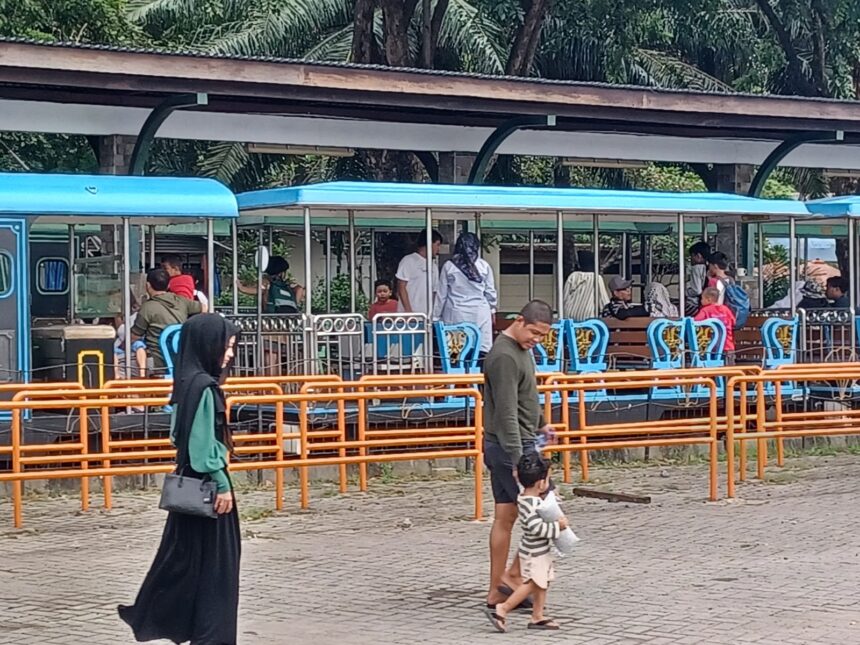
(550, 511)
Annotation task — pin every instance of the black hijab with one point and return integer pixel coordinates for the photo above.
(202, 345)
(466, 254)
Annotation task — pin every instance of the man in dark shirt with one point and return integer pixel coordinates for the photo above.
(837, 292)
(619, 304)
(512, 420)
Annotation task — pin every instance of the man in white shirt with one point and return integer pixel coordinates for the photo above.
(412, 276)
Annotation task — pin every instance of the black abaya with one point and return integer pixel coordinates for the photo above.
(191, 592)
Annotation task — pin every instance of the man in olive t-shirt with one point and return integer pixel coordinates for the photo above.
(512, 420)
(160, 311)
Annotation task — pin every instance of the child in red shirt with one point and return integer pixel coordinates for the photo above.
(180, 284)
(712, 309)
(384, 303)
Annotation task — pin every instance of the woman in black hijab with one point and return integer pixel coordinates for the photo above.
(191, 592)
(467, 290)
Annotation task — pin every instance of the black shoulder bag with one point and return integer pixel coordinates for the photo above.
(188, 495)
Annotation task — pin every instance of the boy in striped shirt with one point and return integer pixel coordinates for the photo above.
(536, 560)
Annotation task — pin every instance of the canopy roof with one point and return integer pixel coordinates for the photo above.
(105, 198)
(844, 206)
(512, 203)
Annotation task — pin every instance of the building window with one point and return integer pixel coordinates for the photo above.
(52, 276)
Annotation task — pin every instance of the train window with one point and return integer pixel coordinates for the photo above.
(52, 276)
(6, 281)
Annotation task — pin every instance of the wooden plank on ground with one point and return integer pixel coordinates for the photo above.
(612, 497)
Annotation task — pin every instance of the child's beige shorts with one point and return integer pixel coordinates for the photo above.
(540, 569)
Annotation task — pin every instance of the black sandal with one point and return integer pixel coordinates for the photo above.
(546, 623)
(497, 621)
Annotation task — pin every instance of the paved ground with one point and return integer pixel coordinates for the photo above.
(781, 566)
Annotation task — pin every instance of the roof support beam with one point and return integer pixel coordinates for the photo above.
(783, 150)
(485, 154)
(143, 145)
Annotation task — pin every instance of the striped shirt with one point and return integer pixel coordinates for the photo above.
(579, 296)
(537, 532)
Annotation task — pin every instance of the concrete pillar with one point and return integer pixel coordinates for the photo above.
(454, 167)
(114, 159)
(735, 179)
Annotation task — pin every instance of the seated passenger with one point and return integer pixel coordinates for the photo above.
(578, 294)
(697, 276)
(138, 347)
(619, 305)
(812, 296)
(837, 292)
(711, 309)
(159, 312)
(659, 304)
(180, 284)
(384, 303)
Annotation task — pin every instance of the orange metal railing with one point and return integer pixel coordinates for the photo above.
(743, 414)
(752, 423)
(79, 460)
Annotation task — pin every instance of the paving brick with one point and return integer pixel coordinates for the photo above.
(778, 566)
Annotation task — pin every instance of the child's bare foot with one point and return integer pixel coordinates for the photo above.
(543, 623)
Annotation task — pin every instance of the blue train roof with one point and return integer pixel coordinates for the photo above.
(844, 206)
(62, 198)
(507, 200)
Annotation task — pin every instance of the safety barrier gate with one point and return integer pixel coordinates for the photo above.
(732, 405)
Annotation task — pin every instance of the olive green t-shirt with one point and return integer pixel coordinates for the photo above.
(157, 314)
(512, 410)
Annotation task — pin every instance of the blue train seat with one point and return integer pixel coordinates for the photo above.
(458, 345)
(549, 353)
(168, 342)
(667, 345)
(706, 342)
(587, 344)
(780, 338)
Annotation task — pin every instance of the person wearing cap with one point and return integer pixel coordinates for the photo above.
(812, 296)
(279, 296)
(620, 305)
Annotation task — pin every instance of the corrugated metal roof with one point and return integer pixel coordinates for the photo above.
(384, 68)
(497, 199)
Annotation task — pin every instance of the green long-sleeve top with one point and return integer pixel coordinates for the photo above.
(512, 410)
(207, 455)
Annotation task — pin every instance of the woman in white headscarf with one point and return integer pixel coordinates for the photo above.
(658, 303)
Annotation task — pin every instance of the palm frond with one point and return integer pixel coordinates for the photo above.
(335, 46)
(145, 11)
(288, 28)
(474, 39)
(660, 69)
(223, 161)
